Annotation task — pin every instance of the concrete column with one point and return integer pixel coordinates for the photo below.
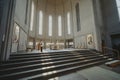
(44, 44)
(6, 28)
(34, 43)
(72, 11)
(65, 46)
(68, 43)
(35, 26)
(98, 24)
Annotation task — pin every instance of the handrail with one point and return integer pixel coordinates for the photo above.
(114, 50)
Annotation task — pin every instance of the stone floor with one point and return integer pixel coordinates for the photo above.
(98, 73)
(48, 50)
(94, 73)
(115, 69)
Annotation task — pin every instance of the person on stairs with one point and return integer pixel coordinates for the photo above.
(41, 48)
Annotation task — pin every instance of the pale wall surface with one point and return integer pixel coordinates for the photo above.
(87, 23)
(21, 13)
(54, 9)
(111, 20)
(90, 20)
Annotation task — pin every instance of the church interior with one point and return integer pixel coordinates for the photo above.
(60, 39)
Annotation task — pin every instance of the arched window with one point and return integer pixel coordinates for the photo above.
(68, 23)
(77, 16)
(32, 16)
(50, 26)
(40, 22)
(59, 26)
(118, 7)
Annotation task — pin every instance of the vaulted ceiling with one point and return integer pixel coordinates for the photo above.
(56, 2)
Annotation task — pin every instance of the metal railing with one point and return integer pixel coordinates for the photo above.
(114, 51)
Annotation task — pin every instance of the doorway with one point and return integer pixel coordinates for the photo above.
(116, 42)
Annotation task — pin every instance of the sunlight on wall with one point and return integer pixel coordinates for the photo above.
(118, 7)
(32, 17)
(40, 22)
(68, 23)
(50, 25)
(59, 26)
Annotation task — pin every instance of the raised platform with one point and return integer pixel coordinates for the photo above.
(44, 66)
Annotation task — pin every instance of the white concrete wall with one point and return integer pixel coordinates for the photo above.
(22, 13)
(87, 23)
(32, 33)
(55, 10)
(90, 20)
(22, 41)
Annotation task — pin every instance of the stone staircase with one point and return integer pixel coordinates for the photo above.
(43, 66)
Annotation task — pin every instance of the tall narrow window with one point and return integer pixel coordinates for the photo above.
(59, 26)
(50, 25)
(118, 7)
(26, 12)
(77, 16)
(68, 23)
(32, 17)
(40, 22)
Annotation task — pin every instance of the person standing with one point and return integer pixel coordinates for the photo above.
(41, 48)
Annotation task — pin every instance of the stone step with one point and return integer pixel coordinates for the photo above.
(49, 68)
(43, 64)
(46, 56)
(50, 72)
(17, 64)
(114, 63)
(50, 53)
